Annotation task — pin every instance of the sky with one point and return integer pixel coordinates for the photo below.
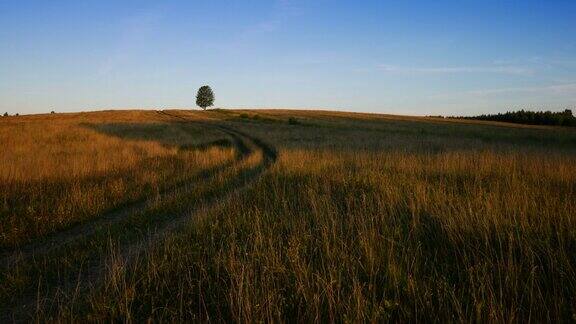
(459, 57)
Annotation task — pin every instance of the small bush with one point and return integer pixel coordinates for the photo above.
(244, 115)
(293, 121)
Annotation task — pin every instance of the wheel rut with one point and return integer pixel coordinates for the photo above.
(94, 272)
(21, 253)
(270, 155)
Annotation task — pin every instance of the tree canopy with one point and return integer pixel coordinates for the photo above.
(205, 97)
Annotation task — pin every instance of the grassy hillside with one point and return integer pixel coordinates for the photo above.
(60, 170)
(279, 215)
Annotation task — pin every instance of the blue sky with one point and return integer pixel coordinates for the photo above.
(404, 57)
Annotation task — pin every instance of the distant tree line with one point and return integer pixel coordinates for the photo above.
(560, 118)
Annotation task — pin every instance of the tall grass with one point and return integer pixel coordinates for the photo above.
(349, 232)
(362, 218)
(56, 277)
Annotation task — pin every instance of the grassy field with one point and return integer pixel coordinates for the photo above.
(56, 171)
(280, 215)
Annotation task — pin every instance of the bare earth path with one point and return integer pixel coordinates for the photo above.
(94, 272)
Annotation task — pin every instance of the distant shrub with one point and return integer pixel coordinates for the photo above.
(52, 112)
(17, 114)
(256, 117)
(5, 114)
(293, 121)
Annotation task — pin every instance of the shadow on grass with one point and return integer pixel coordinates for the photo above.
(161, 133)
(134, 228)
(189, 136)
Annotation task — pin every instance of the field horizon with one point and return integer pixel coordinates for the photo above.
(287, 110)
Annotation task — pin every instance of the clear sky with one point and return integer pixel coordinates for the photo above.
(406, 57)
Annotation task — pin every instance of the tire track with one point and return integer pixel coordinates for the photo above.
(270, 156)
(95, 272)
(270, 153)
(9, 257)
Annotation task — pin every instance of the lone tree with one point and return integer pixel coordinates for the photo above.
(5, 114)
(205, 97)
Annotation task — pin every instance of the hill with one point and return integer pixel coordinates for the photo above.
(285, 215)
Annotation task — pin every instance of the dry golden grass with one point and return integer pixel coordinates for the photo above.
(63, 169)
(362, 218)
(370, 237)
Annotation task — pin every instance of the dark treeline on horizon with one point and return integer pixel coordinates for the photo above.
(560, 118)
